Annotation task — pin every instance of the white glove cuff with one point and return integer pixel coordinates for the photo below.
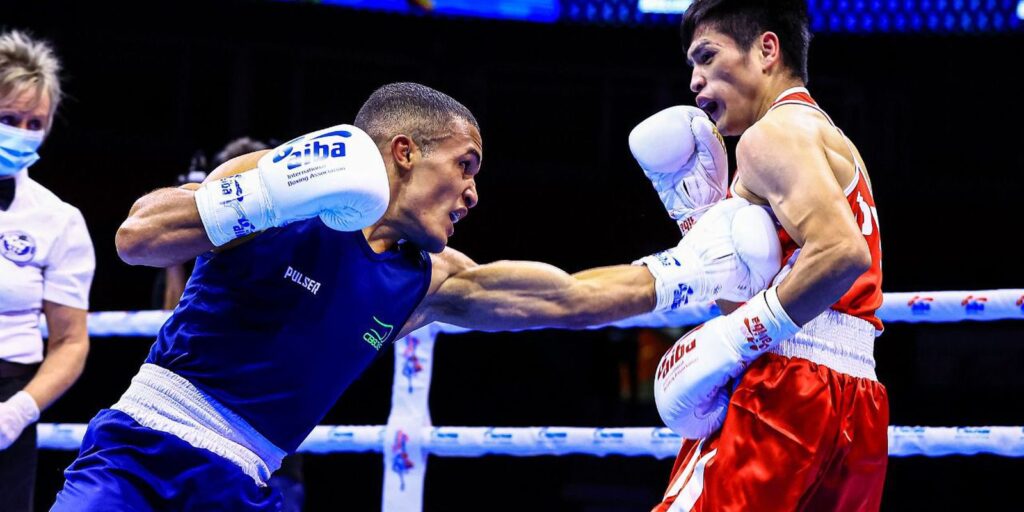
(25, 405)
(676, 279)
(765, 323)
(234, 207)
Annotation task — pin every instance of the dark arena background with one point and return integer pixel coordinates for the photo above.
(934, 103)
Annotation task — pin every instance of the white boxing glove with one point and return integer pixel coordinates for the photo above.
(684, 416)
(18, 412)
(693, 375)
(336, 173)
(684, 156)
(757, 246)
(731, 253)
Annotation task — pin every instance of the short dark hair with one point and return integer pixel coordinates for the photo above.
(238, 147)
(745, 20)
(198, 170)
(416, 110)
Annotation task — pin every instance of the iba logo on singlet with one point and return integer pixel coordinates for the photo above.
(17, 246)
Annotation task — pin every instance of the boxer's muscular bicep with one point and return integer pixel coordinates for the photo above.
(163, 227)
(787, 166)
(442, 267)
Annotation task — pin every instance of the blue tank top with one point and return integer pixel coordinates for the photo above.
(277, 328)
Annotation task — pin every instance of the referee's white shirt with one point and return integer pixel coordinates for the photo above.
(45, 254)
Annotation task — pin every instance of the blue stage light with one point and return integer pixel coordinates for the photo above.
(664, 6)
(884, 23)
(966, 22)
(851, 23)
(901, 23)
(817, 22)
(836, 16)
(834, 24)
(916, 22)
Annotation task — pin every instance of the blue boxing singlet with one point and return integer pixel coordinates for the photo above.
(277, 328)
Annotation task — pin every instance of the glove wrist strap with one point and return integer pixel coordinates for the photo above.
(763, 323)
(677, 279)
(234, 207)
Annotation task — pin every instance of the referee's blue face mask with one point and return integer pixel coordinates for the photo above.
(18, 148)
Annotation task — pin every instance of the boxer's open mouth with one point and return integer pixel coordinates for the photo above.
(710, 108)
(457, 215)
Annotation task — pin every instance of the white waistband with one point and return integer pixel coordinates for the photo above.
(162, 400)
(839, 341)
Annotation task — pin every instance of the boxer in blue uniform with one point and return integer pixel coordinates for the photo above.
(311, 258)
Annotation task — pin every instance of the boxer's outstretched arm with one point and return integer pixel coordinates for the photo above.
(511, 295)
(163, 227)
(787, 166)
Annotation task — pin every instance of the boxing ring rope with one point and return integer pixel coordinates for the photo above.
(410, 436)
(660, 443)
(918, 307)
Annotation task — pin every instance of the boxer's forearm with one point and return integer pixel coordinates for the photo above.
(512, 295)
(163, 228)
(821, 276)
(613, 293)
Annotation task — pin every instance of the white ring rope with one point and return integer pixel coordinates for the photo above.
(916, 307)
(633, 441)
(410, 436)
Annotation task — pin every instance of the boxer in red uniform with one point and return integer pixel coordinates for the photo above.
(788, 376)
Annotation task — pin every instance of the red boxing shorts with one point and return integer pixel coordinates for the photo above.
(806, 430)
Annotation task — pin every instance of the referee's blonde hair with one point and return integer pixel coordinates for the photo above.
(27, 64)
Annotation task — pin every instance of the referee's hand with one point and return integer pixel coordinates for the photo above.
(16, 413)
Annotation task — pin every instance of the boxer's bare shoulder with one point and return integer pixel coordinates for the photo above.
(769, 150)
(839, 150)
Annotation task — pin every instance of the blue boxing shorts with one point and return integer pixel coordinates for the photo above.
(125, 466)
